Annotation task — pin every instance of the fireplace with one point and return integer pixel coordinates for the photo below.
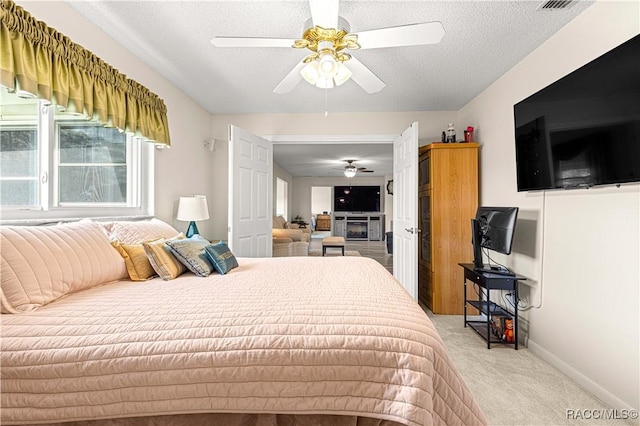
(357, 230)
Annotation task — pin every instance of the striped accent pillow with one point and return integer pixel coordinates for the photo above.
(162, 260)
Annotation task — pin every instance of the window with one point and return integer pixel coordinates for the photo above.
(56, 164)
(282, 197)
(19, 165)
(91, 165)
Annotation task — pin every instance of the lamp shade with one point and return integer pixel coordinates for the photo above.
(193, 208)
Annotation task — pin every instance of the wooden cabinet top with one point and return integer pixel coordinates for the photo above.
(450, 145)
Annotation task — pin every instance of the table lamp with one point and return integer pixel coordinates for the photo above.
(192, 209)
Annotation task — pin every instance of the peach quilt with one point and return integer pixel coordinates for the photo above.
(305, 335)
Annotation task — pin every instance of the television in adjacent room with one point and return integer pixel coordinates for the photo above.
(356, 198)
(584, 129)
(492, 229)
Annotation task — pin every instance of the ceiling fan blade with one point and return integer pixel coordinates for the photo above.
(365, 171)
(405, 35)
(364, 77)
(224, 41)
(324, 13)
(290, 81)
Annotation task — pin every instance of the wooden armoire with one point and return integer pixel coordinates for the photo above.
(447, 201)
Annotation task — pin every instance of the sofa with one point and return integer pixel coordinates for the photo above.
(283, 229)
(286, 247)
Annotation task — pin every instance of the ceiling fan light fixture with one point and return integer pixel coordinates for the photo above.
(310, 72)
(350, 171)
(326, 72)
(342, 75)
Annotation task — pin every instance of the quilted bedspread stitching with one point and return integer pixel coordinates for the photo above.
(262, 338)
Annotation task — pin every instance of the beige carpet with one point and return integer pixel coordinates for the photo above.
(334, 252)
(515, 387)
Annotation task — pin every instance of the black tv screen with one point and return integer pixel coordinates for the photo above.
(584, 129)
(356, 198)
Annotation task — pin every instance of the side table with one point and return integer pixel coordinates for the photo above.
(490, 281)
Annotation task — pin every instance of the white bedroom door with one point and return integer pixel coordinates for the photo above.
(405, 209)
(250, 194)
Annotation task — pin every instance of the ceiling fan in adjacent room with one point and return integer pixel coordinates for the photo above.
(350, 170)
(327, 35)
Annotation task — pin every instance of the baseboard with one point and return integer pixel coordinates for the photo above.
(586, 383)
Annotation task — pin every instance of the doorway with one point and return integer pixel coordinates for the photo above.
(319, 161)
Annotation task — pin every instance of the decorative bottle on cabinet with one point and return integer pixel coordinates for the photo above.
(447, 201)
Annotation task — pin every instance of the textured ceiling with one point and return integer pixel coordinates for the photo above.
(483, 39)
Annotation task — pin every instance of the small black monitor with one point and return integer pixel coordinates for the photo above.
(493, 229)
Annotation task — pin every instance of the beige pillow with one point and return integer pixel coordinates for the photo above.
(162, 260)
(138, 265)
(43, 263)
(135, 232)
(278, 222)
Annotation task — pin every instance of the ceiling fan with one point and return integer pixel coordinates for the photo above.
(327, 35)
(350, 170)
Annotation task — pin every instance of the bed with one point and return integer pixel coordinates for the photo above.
(308, 340)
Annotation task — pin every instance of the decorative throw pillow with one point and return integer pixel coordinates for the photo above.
(163, 262)
(221, 257)
(138, 265)
(190, 252)
(137, 231)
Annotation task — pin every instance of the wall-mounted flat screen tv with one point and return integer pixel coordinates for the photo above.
(584, 129)
(356, 198)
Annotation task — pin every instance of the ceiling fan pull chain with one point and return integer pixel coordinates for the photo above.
(326, 110)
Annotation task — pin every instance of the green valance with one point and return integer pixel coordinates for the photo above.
(38, 60)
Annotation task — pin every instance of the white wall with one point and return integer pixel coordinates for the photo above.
(388, 206)
(185, 169)
(321, 199)
(580, 248)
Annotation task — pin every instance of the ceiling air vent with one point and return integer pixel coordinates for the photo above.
(556, 4)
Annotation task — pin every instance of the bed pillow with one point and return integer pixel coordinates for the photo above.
(221, 257)
(190, 251)
(136, 260)
(162, 260)
(135, 232)
(43, 263)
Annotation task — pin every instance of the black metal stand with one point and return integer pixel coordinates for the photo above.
(490, 281)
